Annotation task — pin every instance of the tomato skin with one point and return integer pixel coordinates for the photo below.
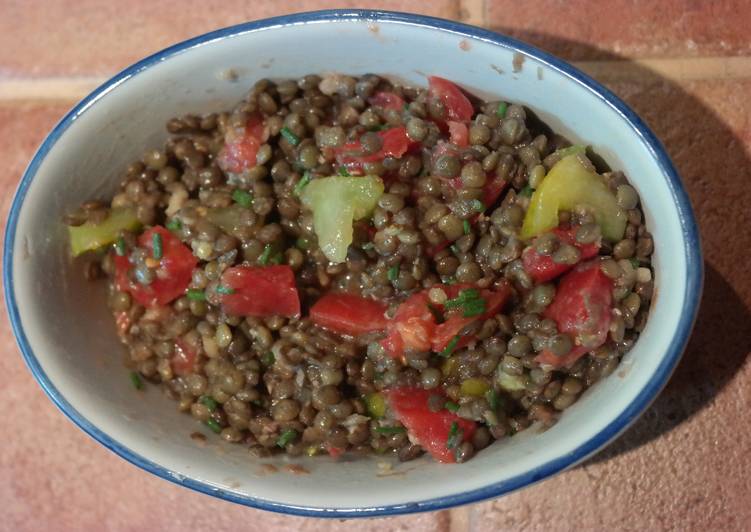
(459, 133)
(261, 291)
(494, 187)
(241, 147)
(430, 429)
(173, 275)
(387, 100)
(582, 308)
(395, 143)
(458, 107)
(542, 268)
(348, 314)
(183, 361)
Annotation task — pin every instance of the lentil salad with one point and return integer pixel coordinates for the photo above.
(343, 264)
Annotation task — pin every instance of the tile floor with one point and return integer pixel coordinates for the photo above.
(684, 65)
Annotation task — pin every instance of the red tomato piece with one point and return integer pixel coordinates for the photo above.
(172, 276)
(241, 147)
(349, 314)
(455, 321)
(458, 107)
(582, 308)
(459, 133)
(542, 268)
(183, 361)
(395, 143)
(492, 190)
(387, 100)
(412, 326)
(430, 429)
(261, 291)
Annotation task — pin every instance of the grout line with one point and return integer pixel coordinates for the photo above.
(71, 89)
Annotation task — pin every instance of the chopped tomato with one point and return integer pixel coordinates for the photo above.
(582, 308)
(542, 268)
(241, 146)
(432, 430)
(334, 452)
(412, 326)
(459, 133)
(173, 273)
(458, 107)
(349, 314)
(183, 361)
(455, 321)
(395, 143)
(260, 291)
(492, 190)
(387, 100)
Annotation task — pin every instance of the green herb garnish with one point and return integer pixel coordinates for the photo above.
(303, 243)
(268, 358)
(450, 347)
(194, 294)
(634, 262)
(501, 110)
(478, 205)
(343, 171)
(492, 398)
(455, 436)
(135, 380)
(156, 246)
(467, 227)
(468, 294)
(266, 255)
(213, 425)
(174, 224)
(390, 430)
(526, 192)
(286, 437)
(243, 198)
(474, 308)
(393, 273)
(451, 406)
(289, 136)
(209, 402)
(306, 177)
(224, 290)
(120, 247)
(454, 249)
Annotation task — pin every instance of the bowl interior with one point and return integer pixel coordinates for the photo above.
(75, 351)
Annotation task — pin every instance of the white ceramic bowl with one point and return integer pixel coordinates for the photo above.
(68, 341)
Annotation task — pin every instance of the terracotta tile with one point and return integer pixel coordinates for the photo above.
(586, 29)
(95, 37)
(683, 465)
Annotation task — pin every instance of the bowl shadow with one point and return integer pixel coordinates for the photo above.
(715, 166)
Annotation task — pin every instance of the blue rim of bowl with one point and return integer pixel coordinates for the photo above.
(693, 288)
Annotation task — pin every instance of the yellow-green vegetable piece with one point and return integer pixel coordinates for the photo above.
(474, 387)
(228, 219)
(90, 236)
(336, 202)
(376, 405)
(568, 184)
(512, 383)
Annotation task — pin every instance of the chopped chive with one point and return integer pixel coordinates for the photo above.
(156, 246)
(289, 136)
(501, 111)
(464, 297)
(451, 406)
(454, 249)
(277, 258)
(213, 425)
(266, 255)
(302, 183)
(492, 398)
(390, 430)
(135, 380)
(467, 227)
(478, 205)
(634, 262)
(224, 290)
(526, 192)
(209, 402)
(393, 273)
(268, 358)
(286, 437)
(242, 197)
(343, 171)
(120, 247)
(194, 294)
(174, 224)
(405, 107)
(450, 347)
(474, 308)
(455, 436)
